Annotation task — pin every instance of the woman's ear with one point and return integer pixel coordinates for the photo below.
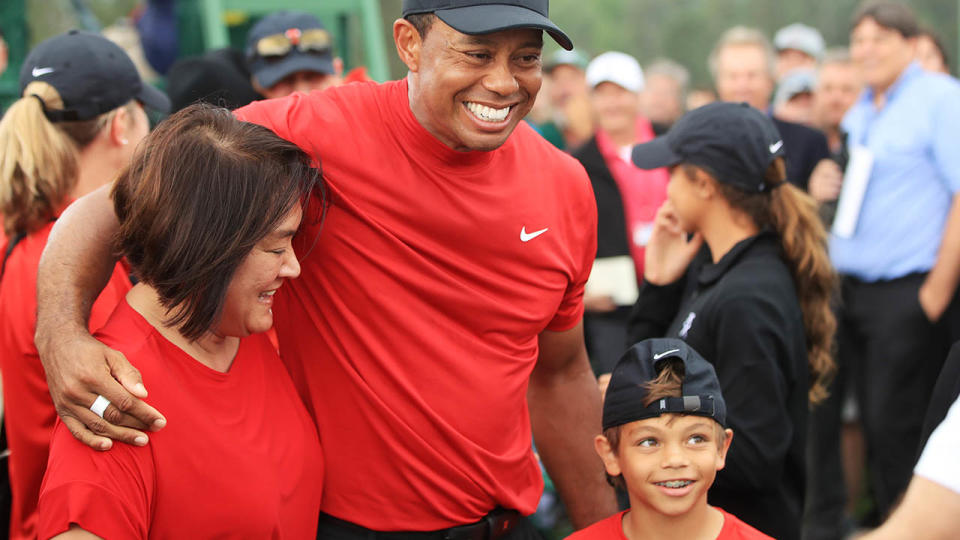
(120, 127)
(704, 185)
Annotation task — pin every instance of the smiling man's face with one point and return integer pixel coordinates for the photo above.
(472, 91)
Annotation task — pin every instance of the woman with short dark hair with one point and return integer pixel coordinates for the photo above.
(207, 210)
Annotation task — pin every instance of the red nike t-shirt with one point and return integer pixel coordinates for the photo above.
(29, 412)
(612, 529)
(239, 458)
(413, 327)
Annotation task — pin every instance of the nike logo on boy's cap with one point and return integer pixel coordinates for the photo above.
(39, 71)
(775, 146)
(526, 237)
(661, 355)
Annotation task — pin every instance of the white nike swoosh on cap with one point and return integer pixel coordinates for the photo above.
(661, 355)
(39, 72)
(775, 146)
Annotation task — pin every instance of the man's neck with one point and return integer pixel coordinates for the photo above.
(702, 522)
(881, 92)
(834, 139)
(626, 136)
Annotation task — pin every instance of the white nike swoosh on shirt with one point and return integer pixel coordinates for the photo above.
(524, 237)
(37, 71)
(775, 146)
(661, 355)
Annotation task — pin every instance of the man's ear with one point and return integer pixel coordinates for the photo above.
(408, 42)
(607, 454)
(722, 453)
(338, 67)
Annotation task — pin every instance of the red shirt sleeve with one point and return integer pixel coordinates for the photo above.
(106, 493)
(294, 118)
(584, 239)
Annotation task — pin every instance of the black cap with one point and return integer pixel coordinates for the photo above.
(91, 73)
(733, 141)
(270, 70)
(476, 17)
(641, 364)
(219, 77)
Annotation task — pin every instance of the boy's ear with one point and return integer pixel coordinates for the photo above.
(607, 454)
(722, 453)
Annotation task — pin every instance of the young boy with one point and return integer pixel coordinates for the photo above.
(664, 441)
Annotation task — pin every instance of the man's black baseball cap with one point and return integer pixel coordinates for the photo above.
(91, 73)
(733, 141)
(476, 17)
(641, 364)
(270, 70)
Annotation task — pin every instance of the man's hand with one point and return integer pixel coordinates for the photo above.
(601, 303)
(565, 415)
(76, 264)
(933, 302)
(825, 181)
(81, 368)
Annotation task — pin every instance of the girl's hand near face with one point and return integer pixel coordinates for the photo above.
(669, 251)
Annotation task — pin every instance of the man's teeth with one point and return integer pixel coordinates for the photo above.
(675, 483)
(488, 114)
(268, 294)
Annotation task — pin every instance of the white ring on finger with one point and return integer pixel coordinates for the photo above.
(100, 405)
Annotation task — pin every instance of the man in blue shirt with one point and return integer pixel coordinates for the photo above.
(901, 265)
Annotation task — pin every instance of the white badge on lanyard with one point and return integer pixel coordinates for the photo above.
(855, 181)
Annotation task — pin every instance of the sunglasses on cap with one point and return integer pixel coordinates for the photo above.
(316, 40)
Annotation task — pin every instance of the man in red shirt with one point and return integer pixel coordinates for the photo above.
(438, 316)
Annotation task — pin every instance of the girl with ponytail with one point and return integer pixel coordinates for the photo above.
(737, 267)
(73, 129)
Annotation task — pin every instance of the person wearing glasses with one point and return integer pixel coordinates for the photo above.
(291, 51)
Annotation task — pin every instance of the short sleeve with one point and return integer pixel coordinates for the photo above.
(584, 243)
(293, 118)
(938, 462)
(106, 493)
(946, 131)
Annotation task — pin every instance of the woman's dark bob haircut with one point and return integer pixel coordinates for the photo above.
(201, 191)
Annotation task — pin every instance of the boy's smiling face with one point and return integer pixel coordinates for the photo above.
(668, 462)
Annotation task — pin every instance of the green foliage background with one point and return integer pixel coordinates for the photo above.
(685, 30)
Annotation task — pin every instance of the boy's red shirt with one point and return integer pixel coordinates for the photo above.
(612, 528)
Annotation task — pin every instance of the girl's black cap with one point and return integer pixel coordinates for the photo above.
(91, 73)
(641, 364)
(733, 141)
(476, 17)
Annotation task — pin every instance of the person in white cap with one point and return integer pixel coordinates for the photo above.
(798, 47)
(627, 201)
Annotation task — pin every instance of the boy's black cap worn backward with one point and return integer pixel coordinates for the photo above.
(476, 17)
(91, 73)
(641, 364)
(733, 141)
